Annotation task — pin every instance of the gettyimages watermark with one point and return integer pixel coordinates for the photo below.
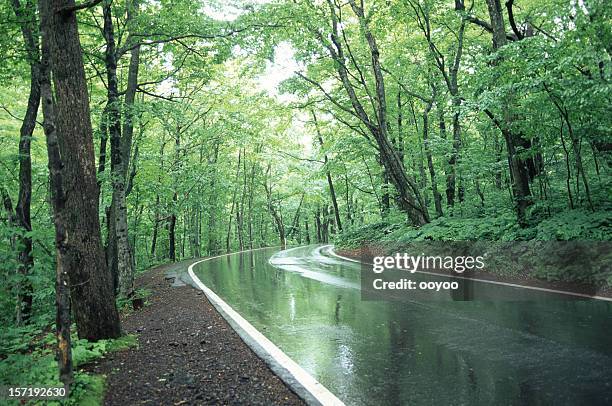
(486, 271)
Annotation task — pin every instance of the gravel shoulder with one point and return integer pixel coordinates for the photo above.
(187, 354)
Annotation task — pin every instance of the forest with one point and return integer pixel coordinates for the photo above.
(140, 132)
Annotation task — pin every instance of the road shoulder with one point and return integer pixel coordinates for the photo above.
(187, 354)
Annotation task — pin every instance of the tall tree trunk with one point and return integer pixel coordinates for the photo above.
(155, 226)
(318, 225)
(432, 171)
(231, 215)
(250, 203)
(325, 224)
(399, 143)
(518, 166)
(212, 204)
(62, 277)
(274, 212)
(386, 197)
(295, 224)
(240, 211)
(173, 214)
(172, 230)
(448, 168)
(156, 209)
(77, 224)
(27, 16)
(332, 191)
(450, 78)
(307, 231)
(568, 176)
(347, 195)
(129, 119)
(121, 263)
(130, 92)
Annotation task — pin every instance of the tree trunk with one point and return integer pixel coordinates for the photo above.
(62, 278)
(130, 92)
(172, 230)
(518, 166)
(250, 203)
(385, 198)
(295, 224)
(27, 16)
(155, 226)
(307, 232)
(325, 225)
(432, 171)
(212, 204)
(318, 225)
(332, 191)
(119, 247)
(231, 215)
(347, 195)
(240, 211)
(73, 177)
(276, 214)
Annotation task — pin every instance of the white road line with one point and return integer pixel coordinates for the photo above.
(514, 285)
(298, 379)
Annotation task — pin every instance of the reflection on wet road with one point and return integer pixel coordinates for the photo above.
(528, 352)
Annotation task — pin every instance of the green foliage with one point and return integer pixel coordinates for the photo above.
(28, 359)
(565, 226)
(125, 304)
(576, 225)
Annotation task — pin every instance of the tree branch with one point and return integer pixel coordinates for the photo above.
(487, 27)
(77, 7)
(517, 32)
(327, 95)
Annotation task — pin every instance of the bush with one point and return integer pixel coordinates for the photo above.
(28, 360)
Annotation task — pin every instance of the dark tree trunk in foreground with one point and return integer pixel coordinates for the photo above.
(26, 14)
(73, 179)
(62, 282)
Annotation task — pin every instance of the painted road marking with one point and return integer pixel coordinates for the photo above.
(294, 375)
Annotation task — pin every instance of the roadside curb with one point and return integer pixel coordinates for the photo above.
(294, 376)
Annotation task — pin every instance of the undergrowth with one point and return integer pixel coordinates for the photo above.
(589, 231)
(28, 359)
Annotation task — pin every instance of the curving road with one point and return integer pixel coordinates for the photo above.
(541, 350)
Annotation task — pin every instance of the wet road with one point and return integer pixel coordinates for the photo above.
(540, 350)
